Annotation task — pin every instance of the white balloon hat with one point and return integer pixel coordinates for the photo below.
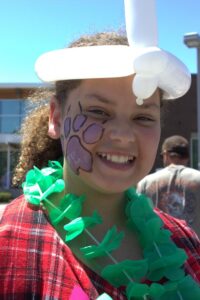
(153, 67)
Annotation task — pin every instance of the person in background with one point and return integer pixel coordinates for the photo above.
(175, 189)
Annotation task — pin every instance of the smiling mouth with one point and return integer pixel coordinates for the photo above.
(116, 159)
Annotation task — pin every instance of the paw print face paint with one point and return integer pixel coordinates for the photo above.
(79, 135)
(93, 133)
(67, 126)
(78, 156)
(79, 122)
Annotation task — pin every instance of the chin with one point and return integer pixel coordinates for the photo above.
(112, 188)
(107, 184)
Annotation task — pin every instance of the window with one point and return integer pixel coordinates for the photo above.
(11, 114)
(194, 152)
(8, 160)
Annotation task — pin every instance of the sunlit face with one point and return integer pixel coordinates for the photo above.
(109, 142)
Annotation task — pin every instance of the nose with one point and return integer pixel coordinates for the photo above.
(121, 132)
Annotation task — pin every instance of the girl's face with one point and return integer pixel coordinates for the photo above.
(109, 142)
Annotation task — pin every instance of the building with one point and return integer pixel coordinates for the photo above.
(12, 111)
(180, 117)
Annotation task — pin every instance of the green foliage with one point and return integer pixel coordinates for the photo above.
(5, 197)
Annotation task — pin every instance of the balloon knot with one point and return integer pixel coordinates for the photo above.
(139, 101)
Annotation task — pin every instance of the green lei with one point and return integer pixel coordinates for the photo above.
(163, 260)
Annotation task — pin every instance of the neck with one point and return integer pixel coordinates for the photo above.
(110, 206)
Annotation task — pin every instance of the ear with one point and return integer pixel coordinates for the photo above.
(54, 119)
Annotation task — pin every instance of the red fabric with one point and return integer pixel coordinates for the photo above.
(184, 237)
(36, 264)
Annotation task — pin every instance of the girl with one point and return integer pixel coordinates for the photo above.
(80, 231)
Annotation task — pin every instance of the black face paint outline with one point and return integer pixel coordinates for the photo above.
(80, 106)
(68, 110)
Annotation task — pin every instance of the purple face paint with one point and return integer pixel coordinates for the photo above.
(77, 156)
(93, 133)
(78, 122)
(67, 127)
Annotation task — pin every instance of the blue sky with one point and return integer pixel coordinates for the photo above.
(29, 28)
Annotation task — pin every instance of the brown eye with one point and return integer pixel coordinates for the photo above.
(98, 112)
(144, 118)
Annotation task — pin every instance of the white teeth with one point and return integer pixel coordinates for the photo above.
(116, 158)
(108, 157)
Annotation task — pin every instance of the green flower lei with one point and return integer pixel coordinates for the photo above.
(163, 260)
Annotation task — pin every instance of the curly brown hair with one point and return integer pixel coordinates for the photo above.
(37, 148)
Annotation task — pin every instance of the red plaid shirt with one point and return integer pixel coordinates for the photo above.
(37, 264)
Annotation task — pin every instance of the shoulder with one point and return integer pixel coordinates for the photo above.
(190, 178)
(23, 227)
(180, 230)
(30, 244)
(151, 179)
(37, 261)
(157, 174)
(192, 173)
(19, 213)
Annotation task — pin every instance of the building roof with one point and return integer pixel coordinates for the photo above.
(22, 85)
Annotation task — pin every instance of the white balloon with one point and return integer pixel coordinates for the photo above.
(151, 60)
(141, 22)
(153, 67)
(157, 67)
(175, 79)
(144, 86)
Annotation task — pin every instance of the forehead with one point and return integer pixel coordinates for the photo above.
(109, 86)
(109, 90)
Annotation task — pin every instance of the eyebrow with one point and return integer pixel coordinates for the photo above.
(100, 98)
(150, 105)
(108, 101)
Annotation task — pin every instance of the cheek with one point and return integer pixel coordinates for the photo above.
(148, 146)
(77, 135)
(150, 141)
(78, 156)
